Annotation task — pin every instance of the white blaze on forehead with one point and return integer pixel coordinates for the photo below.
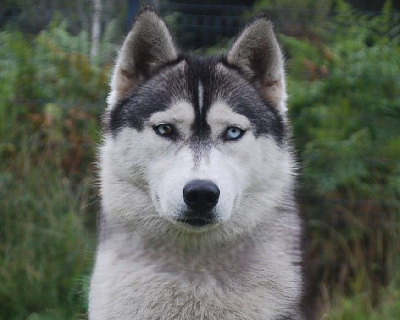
(221, 116)
(201, 97)
(181, 113)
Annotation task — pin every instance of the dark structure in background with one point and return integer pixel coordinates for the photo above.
(205, 23)
(133, 8)
(8, 13)
(199, 24)
(372, 5)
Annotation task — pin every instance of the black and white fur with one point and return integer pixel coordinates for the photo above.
(197, 180)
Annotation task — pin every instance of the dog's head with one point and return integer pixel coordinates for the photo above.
(195, 144)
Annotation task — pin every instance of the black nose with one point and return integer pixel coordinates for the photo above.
(201, 195)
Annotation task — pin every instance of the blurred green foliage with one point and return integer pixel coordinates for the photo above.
(345, 109)
(51, 98)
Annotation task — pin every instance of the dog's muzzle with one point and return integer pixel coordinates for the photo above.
(200, 196)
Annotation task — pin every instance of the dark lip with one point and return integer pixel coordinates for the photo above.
(196, 222)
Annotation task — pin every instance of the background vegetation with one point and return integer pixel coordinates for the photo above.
(344, 83)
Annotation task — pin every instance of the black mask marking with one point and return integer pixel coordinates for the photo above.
(182, 83)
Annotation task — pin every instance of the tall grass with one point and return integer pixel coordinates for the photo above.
(46, 250)
(48, 131)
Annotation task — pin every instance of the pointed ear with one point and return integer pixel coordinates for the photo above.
(148, 46)
(257, 54)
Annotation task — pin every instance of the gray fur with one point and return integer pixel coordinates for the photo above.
(257, 54)
(246, 264)
(147, 47)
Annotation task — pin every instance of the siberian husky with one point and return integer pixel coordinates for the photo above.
(197, 183)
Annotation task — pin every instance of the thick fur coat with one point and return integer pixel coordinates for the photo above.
(197, 179)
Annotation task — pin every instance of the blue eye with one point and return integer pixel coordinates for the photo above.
(164, 129)
(234, 133)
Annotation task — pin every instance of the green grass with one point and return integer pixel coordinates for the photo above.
(45, 250)
(361, 307)
(47, 193)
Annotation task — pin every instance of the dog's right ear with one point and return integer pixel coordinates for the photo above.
(257, 54)
(148, 46)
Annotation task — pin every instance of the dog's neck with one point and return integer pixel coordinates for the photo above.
(187, 254)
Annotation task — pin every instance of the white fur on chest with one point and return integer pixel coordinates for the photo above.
(132, 284)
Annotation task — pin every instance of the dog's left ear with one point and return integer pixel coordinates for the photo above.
(146, 49)
(257, 54)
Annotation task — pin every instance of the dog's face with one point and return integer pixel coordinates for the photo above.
(192, 144)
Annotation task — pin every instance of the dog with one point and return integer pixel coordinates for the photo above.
(198, 176)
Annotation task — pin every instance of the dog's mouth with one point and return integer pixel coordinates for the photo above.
(196, 222)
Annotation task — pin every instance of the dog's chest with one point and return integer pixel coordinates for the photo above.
(217, 291)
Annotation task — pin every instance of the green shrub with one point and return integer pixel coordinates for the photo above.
(49, 114)
(345, 108)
